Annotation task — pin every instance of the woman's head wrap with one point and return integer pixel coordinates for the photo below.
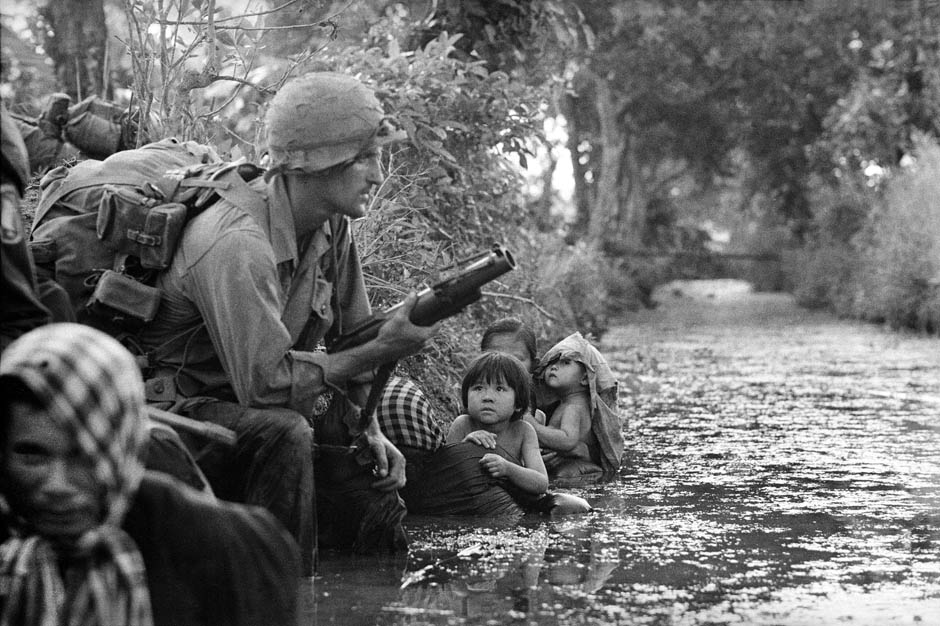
(92, 389)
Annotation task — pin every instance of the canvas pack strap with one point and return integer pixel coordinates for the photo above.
(69, 185)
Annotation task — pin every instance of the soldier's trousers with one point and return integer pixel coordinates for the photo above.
(272, 465)
(269, 466)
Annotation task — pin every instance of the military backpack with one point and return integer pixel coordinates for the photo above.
(103, 230)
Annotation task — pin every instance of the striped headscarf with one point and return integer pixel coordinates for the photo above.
(92, 388)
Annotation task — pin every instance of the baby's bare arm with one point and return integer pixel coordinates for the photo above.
(569, 425)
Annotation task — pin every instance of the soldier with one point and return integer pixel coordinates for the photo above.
(252, 296)
(21, 307)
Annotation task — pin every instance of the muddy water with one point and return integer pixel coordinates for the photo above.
(783, 467)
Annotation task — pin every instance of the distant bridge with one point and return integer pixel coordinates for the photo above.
(762, 269)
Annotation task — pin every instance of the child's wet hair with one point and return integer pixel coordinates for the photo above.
(511, 326)
(496, 367)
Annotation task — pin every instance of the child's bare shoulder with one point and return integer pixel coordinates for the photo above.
(578, 405)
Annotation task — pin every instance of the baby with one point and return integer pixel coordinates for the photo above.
(496, 391)
(568, 430)
(583, 431)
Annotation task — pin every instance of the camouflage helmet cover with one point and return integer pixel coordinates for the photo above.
(325, 118)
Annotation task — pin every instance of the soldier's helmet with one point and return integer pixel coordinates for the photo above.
(322, 119)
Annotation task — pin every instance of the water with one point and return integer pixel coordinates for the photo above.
(782, 467)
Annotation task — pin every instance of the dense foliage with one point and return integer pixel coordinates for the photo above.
(793, 122)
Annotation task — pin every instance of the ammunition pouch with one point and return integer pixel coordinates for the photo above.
(150, 235)
(122, 302)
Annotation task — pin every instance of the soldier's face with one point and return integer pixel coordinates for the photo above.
(344, 190)
(348, 190)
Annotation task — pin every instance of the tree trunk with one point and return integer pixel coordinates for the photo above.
(77, 45)
(613, 141)
(631, 216)
(570, 107)
(546, 201)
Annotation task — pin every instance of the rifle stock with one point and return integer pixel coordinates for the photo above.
(442, 300)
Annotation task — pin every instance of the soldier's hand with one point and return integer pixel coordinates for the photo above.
(389, 461)
(399, 337)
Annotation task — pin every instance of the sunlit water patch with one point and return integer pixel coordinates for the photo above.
(783, 467)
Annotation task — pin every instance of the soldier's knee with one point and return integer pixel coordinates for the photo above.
(291, 425)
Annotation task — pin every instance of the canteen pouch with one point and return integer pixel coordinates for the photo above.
(138, 226)
(119, 299)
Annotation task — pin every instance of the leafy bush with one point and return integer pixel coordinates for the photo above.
(450, 193)
(877, 257)
(823, 273)
(823, 276)
(900, 270)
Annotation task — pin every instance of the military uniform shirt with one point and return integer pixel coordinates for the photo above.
(245, 305)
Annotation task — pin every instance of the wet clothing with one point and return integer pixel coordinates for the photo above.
(212, 563)
(407, 419)
(269, 466)
(453, 483)
(606, 425)
(245, 309)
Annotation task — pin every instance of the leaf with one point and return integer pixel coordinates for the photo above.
(455, 125)
(490, 33)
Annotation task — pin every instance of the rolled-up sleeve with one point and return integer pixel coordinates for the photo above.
(235, 286)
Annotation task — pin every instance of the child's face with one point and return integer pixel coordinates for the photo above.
(565, 375)
(492, 402)
(510, 344)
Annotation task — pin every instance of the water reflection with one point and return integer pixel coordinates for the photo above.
(783, 468)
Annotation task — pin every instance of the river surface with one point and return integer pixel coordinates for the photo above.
(782, 467)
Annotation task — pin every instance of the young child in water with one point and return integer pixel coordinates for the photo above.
(568, 430)
(496, 391)
(584, 430)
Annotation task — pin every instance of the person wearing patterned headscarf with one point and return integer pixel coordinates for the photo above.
(91, 538)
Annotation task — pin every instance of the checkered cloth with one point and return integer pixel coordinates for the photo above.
(92, 389)
(406, 417)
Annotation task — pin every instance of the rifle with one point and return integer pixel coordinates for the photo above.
(440, 301)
